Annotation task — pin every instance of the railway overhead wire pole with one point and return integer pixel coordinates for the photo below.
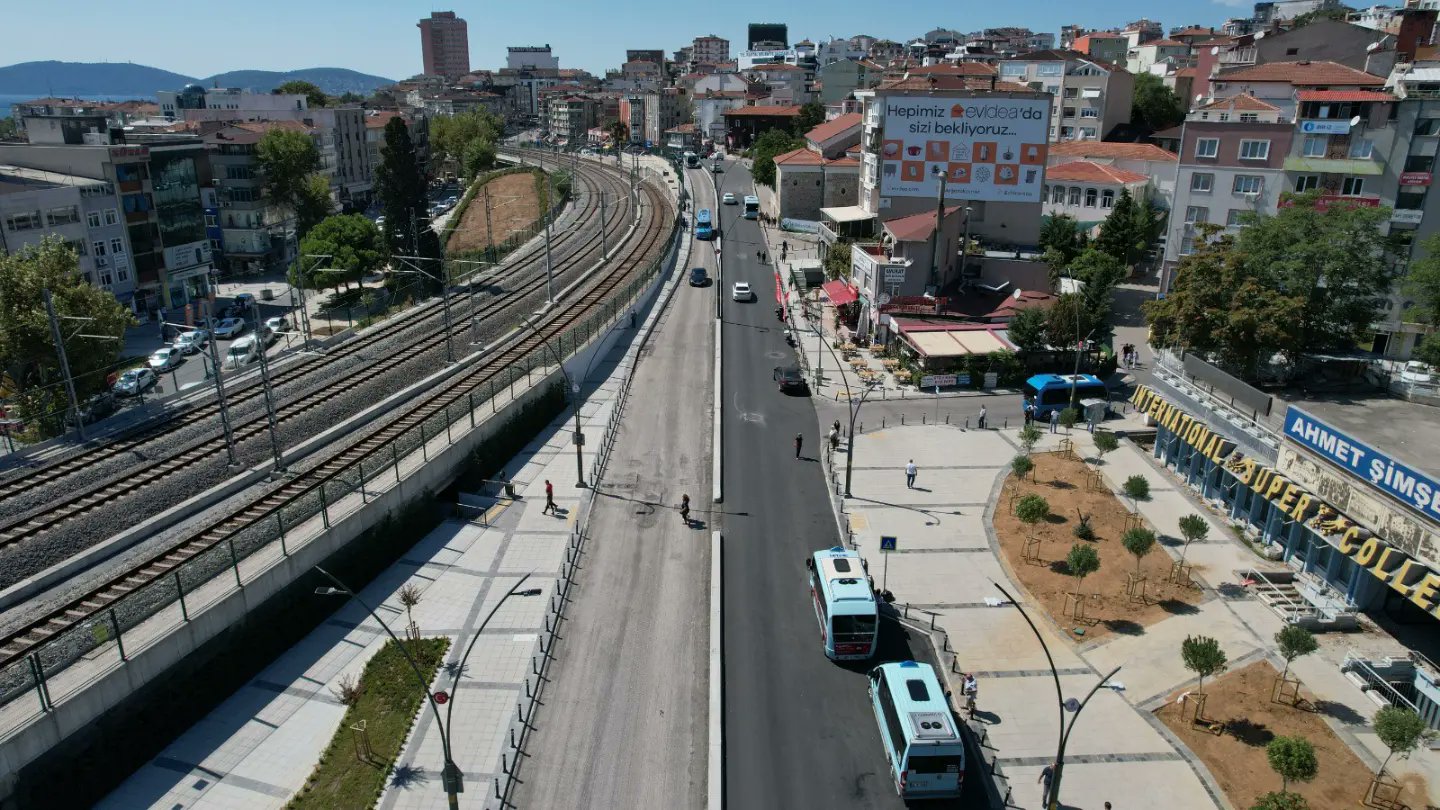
(413, 263)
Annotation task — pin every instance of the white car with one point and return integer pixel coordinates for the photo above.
(229, 327)
(192, 341)
(165, 359)
(134, 382)
(728, 199)
(742, 291)
(277, 324)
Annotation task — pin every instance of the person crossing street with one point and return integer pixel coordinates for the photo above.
(799, 442)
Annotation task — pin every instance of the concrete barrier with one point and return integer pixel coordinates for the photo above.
(715, 781)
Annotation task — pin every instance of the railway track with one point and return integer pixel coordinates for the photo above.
(67, 506)
(23, 642)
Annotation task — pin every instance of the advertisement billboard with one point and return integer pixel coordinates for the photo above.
(989, 148)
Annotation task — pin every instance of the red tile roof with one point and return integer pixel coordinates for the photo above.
(943, 82)
(1304, 73)
(1195, 31)
(961, 69)
(764, 111)
(916, 227)
(1022, 299)
(1344, 95)
(1165, 43)
(772, 67)
(834, 126)
(1114, 151)
(1083, 171)
(1242, 102)
(683, 128)
(807, 157)
(1191, 72)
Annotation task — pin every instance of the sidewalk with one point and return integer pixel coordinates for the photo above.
(948, 555)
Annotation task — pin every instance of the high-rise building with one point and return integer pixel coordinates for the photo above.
(710, 50)
(768, 36)
(445, 44)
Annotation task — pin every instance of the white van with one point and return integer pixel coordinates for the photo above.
(242, 351)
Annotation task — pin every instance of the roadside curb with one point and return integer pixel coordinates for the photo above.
(717, 455)
(716, 779)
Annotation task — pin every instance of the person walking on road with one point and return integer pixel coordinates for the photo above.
(1054, 420)
(834, 439)
(910, 472)
(799, 442)
(1046, 776)
(550, 507)
(685, 508)
(983, 414)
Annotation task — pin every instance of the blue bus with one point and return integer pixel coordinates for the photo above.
(844, 604)
(703, 229)
(752, 206)
(918, 731)
(1044, 393)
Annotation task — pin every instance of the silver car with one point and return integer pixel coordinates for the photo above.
(192, 341)
(133, 382)
(165, 359)
(229, 327)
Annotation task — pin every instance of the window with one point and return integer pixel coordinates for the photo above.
(1247, 184)
(1361, 148)
(1196, 213)
(92, 219)
(122, 275)
(1306, 182)
(1207, 147)
(1074, 195)
(1051, 69)
(1091, 195)
(1187, 246)
(1089, 112)
(242, 195)
(1249, 118)
(117, 245)
(1107, 198)
(1066, 133)
(1419, 163)
(24, 221)
(1411, 200)
(1072, 92)
(210, 221)
(1427, 127)
(1057, 194)
(63, 215)
(1067, 112)
(1316, 145)
(1254, 150)
(99, 248)
(112, 217)
(1087, 132)
(1292, 51)
(106, 278)
(1352, 186)
(1233, 219)
(1202, 182)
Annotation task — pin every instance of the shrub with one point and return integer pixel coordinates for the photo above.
(1293, 758)
(1082, 561)
(1294, 641)
(1106, 442)
(1069, 417)
(1032, 509)
(1202, 655)
(1401, 730)
(1137, 489)
(1021, 466)
(1138, 541)
(1029, 435)
(1083, 529)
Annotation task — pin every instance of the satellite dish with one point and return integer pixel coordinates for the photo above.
(1215, 50)
(1355, 122)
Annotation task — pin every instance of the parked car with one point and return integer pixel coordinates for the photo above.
(729, 198)
(134, 382)
(229, 328)
(165, 359)
(278, 324)
(192, 341)
(242, 351)
(1417, 373)
(742, 291)
(451, 202)
(789, 378)
(244, 301)
(97, 407)
(698, 277)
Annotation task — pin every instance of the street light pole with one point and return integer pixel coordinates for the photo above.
(64, 365)
(853, 408)
(935, 237)
(965, 245)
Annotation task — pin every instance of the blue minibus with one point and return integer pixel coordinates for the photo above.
(1043, 393)
(844, 604)
(918, 731)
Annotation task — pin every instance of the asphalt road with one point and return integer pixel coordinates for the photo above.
(799, 731)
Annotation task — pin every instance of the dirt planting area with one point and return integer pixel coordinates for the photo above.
(514, 206)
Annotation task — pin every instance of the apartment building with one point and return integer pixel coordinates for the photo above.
(570, 117)
(531, 57)
(1102, 45)
(1141, 58)
(709, 50)
(840, 79)
(824, 173)
(1087, 191)
(664, 109)
(79, 116)
(83, 211)
(1091, 97)
(1154, 163)
(418, 126)
(255, 236)
(197, 103)
(444, 44)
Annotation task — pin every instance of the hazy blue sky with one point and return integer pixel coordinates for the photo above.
(380, 37)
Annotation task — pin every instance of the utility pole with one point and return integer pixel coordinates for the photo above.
(64, 365)
(220, 398)
(604, 250)
(549, 267)
(935, 237)
(261, 348)
(413, 263)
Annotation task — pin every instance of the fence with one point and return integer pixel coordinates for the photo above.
(101, 638)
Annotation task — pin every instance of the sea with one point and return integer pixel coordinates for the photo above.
(7, 99)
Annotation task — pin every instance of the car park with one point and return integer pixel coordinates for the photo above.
(165, 359)
(729, 198)
(134, 382)
(229, 328)
(698, 278)
(192, 341)
(742, 292)
(789, 378)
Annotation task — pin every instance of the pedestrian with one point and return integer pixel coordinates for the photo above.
(834, 439)
(1090, 418)
(799, 441)
(685, 508)
(1107, 806)
(835, 426)
(1054, 419)
(983, 414)
(971, 690)
(1029, 413)
(550, 507)
(1046, 776)
(910, 472)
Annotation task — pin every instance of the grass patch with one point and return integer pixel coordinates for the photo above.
(389, 699)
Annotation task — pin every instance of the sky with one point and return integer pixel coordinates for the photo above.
(380, 37)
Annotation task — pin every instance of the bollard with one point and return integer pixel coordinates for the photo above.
(932, 624)
(505, 764)
(1007, 423)
(496, 783)
(527, 689)
(512, 738)
(947, 417)
(534, 665)
(902, 419)
(471, 397)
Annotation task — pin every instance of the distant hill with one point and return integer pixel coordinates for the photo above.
(87, 79)
(128, 79)
(334, 81)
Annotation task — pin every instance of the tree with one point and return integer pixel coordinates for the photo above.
(772, 142)
(1130, 229)
(1082, 561)
(452, 136)
(1202, 655)
(314, 96)
(837, 265)
(348, 97)
(402, 192)
(1280, 800)
(1137, 489)
(27, 345)
(409, 597)
(1429, 350)
(1192, 528)
(1072, 319)
(313, 203)
(479, 156)
(1155, 106)
(811, 115)
(289, 164)
(1106, 442)
(8, 128)
(1021, 465)
(1029, 435)
(1028, 329)
(619, 134)
(1337, 14)
(1293, 641)
(1422, 282)
(1293, 758)
(1068, 418)
(1031, 509)
(1401, 730)
(1061, 240)
(1138, 541)
(354, 246)
(1099, 270)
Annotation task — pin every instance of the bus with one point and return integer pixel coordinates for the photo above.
(752, 206)
(692, 160)
(1044, 393)
(703, 228)
(844, 604)
(918, 731)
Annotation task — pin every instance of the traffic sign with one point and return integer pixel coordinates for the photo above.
(887, 544)
(441, 697)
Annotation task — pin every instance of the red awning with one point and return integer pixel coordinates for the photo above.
(839, 292)
(779, 289)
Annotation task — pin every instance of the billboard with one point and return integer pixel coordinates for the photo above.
(990, 148)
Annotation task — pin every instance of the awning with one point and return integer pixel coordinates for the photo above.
(779, 290)
(847, 213)
(839, 292)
